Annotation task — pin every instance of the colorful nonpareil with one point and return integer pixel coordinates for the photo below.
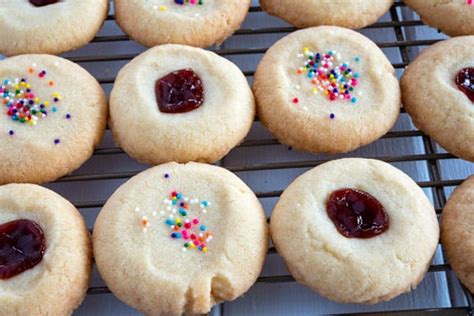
(330, 75)
(185, 218)
(23, 104)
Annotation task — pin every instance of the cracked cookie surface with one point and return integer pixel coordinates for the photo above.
(180, 238)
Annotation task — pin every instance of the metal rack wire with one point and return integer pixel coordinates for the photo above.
(431, 156)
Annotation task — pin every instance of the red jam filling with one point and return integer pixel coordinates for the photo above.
(179, 92)
(465, 82)
(22, 246)
(356, 214)
(42, 3)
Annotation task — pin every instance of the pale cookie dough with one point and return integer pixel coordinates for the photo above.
(206, 133)
(326, 89)
(57, 284)
(50, 29)
(452, 17)
(434, 101)
(154, 22)
(353, 269)
(52, 115)
(457, 232)
(180, 238)
(354, 14)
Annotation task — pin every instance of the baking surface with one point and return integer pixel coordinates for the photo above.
(268, 167)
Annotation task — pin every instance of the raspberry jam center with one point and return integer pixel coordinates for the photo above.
(22, 246)
(465, 82)
(179, 92)
(42, 3)
(356, 214)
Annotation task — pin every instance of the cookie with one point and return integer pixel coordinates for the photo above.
(355, 231)
(49, 26)
(179, 238)
(45, 252)
(457, 234)
(452, 17)
(326, 89)
(438, 93)
(306, 13)
(53, 113)
(178, 103)
(199, 23)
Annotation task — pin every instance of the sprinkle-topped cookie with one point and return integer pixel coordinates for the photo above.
(166, 246)
(326, 90)
(52, 114)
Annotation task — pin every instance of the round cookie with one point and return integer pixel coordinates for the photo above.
(457, 234)
(199, 23)
(307, 13)
(355, 231)
(53, 114)
(179, 238)
(452, 17)
(438, 93)
(179, 103)
(45, 252)
(49, 26)
(326, 89)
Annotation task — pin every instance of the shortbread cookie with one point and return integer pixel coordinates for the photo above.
(438, 93)
(452, 17)
(178, 103)
(355, 231)
(179, 238)
(457, 232)
(198, 23)
(52, 114)
(326, 89)
(49, 26)
(354, 14)
(45, 252)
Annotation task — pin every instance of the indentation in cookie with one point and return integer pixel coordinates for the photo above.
(221, 288)
(22, 246)
(465, 82)
(329, 75)
(179, 92)
(356, 214)
(42, 3)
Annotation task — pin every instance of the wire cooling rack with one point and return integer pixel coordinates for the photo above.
(430, 155)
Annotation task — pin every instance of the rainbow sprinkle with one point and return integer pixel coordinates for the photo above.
(22, 103)
(191, 2)
(470, 2)
(329, 76)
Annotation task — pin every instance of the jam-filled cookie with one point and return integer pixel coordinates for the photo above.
(49, 26)
(355, 231)
(179, 103)
(306, 13)
(52, 114)
(179, 238)
(45, 252)
(457, 233)
(438, 93)
(326, 89)
(452, 17)
(199, 23)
